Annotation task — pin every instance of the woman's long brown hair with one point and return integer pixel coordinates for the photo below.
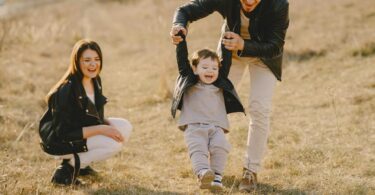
(74, 66)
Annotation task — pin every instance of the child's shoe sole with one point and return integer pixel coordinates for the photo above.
(217, 188)
(207, 178)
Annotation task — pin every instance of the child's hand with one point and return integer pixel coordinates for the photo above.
(233, 41)
(176, 39)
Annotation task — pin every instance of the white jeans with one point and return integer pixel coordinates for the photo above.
(262, 84)
(101, 147)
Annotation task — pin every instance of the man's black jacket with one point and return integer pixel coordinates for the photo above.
(187, 78)
(269, 22)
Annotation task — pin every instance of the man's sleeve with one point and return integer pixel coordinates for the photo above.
(273, 40)
(195, 10)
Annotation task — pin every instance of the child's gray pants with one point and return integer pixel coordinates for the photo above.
(208, 147)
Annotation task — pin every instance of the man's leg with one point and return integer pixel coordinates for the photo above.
(237, 71)
(261, 90)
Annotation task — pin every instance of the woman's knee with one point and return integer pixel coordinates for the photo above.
(101, 142)
(123, 125)
(114, 147)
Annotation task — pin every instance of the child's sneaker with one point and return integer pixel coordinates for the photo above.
(205, 177)
(216, 185)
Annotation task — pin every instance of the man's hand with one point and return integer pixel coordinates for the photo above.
(174, 30)
(233, 41)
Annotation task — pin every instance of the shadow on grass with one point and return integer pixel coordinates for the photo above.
(232, 182)
(92, 186)
(131, 190)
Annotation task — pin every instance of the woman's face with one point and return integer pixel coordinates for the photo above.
(90, 63)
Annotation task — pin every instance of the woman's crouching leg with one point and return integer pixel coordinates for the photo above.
(122, 125)
(100, 148)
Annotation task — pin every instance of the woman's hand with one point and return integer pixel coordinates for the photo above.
(233, 41)
(112, 132)
(106, 130)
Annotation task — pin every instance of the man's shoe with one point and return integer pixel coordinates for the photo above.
(205, 177)
(87, 171)
(216, 185)
(248, 182)
(63, 175)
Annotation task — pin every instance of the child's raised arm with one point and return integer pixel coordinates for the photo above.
(184, 67)
(226, 58)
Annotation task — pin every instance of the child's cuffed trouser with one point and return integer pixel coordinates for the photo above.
(262, 84)
(101, 147)
(208, 147)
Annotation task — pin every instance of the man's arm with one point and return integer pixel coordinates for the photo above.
(195, 10)
(192, 11)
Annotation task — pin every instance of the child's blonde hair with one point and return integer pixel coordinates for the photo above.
(203, 54)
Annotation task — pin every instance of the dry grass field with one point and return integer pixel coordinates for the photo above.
(323, 121)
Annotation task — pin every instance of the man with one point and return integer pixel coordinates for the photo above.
(253, 35)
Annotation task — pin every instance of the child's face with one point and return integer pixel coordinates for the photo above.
(207, 70)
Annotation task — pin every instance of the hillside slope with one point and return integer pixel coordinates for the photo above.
(323, 122)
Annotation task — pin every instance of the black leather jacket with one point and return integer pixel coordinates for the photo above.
(72, 110)
(269, 22)
(187, 78)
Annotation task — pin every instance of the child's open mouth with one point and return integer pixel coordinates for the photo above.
(208, 77)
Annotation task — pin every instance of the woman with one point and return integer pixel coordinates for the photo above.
(76, 103)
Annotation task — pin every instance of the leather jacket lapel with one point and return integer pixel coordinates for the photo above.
(85, 104)
(100, 99)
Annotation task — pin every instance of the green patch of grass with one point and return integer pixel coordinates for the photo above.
(273, 164)
(323, 104)
(367, 50)
(269, 189)
(295, 171)
(371, 86)
(369, 172)
(370, 15)
(304, 55)
(293, 137)
(362, 99)
(361, 190)
(312, 155)
(182, 150)
(186, 174)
